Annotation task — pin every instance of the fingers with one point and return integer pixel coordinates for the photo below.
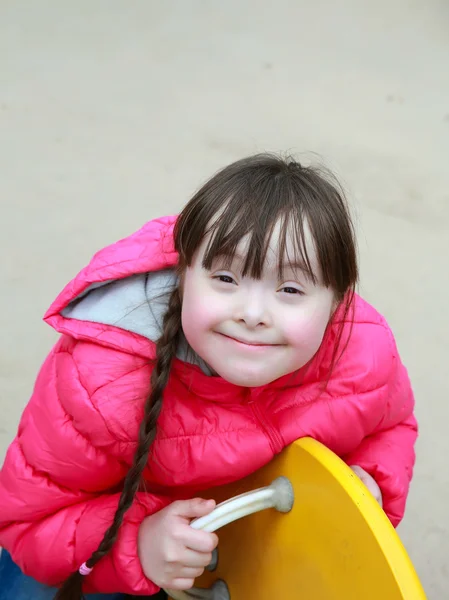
(369, 482)
(358, 471)
(196, 559)
(190, 572)
(182, 583)
(375, 490)
(194, 539)
(199, 541)
(173, 554)
(192, 509)
(187, 568)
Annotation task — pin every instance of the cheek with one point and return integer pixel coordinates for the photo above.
(192, 321)
(306, 331)
(196, 315)
(198, 311)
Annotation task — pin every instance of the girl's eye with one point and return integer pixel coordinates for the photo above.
(292, 290)
(224, 278)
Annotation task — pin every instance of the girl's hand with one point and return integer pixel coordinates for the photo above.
(172, 553)
(369, 482)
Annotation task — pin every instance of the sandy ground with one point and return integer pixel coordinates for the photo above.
(113, 112)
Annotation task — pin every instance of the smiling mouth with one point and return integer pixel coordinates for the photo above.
(247, 343)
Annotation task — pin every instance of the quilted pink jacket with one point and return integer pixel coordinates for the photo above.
(61, 479)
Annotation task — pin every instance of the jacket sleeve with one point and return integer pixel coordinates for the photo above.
(387, 453)
(59, 492)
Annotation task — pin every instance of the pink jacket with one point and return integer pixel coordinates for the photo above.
(61, 479)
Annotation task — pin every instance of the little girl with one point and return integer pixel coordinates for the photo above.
(191, 353)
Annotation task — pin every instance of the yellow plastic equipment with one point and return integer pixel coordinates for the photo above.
(335, 544)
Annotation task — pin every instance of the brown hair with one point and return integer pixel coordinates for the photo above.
(249, 197)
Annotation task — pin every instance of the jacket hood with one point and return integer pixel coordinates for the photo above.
(113, 274)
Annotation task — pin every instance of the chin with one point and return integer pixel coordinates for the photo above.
(249, 380)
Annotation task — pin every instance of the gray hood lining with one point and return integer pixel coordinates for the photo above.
(137, 304)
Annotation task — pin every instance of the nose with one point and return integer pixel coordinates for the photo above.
(252, 310)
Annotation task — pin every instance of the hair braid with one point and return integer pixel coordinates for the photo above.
(165, 352)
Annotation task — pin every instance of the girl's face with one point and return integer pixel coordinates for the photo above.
(251, 332)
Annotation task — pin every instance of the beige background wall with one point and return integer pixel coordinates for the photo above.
(112, 112)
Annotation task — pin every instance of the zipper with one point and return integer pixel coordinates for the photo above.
(276, 441)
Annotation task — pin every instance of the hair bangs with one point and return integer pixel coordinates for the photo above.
(254, 221)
